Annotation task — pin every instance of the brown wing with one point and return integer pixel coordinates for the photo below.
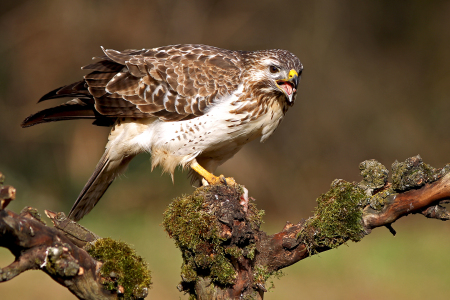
(172, 83)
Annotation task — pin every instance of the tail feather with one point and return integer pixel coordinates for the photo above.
(76, 89)
(105, 173)
(71, 110)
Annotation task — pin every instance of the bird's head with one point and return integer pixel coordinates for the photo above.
(278, 71)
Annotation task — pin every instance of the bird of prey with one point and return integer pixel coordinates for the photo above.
(188, 105)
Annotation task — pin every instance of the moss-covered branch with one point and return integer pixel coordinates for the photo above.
(226, 256)
(217, 228)
(349, 211)
(89, 266)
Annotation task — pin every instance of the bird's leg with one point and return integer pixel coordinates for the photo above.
(210, 178)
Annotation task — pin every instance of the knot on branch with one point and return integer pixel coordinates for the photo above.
(59, 261)
(7, 193)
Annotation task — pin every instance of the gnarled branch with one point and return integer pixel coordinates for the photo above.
(349, 211)
(58, 251)
(217, 228)
(37, 246)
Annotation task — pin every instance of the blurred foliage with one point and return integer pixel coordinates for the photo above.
(375, 85)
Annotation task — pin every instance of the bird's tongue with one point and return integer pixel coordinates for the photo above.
(286, 86)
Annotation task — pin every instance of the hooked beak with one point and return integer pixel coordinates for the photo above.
(289, 85)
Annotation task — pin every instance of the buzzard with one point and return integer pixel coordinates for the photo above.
(188, 105)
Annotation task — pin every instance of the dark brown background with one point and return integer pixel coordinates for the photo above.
(376, 84)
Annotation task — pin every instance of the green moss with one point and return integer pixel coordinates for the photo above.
(34, 213)
(337, 218)
(222, 271)
(234, 251)
(255, 216)
(261, 275)
(201, 225)
(190, 221)
(250, 251)
(188, 273)
(121, 261)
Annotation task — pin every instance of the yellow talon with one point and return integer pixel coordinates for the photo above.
(210, 178)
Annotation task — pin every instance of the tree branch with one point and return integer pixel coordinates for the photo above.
(349, 211)
(59, 252)
(217, 228)
(423, 201)
(416, 188)
(36, 246)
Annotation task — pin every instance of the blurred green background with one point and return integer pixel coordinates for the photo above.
(376, 84)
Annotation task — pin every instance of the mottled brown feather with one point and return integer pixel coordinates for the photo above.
(171, 82)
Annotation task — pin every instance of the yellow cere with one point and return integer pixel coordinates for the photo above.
(292, 73)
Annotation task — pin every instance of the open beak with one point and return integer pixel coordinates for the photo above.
(289, 85)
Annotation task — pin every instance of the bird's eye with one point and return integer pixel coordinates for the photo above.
(274, 69)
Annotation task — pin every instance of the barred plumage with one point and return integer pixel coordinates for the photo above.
(182, 103)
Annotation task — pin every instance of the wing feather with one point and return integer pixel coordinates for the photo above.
(172, 83)
(181, 79)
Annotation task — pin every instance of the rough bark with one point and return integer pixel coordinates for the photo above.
(58, 251)
(36, 246)
(424, 197)
(374, 202)
(225, 254)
